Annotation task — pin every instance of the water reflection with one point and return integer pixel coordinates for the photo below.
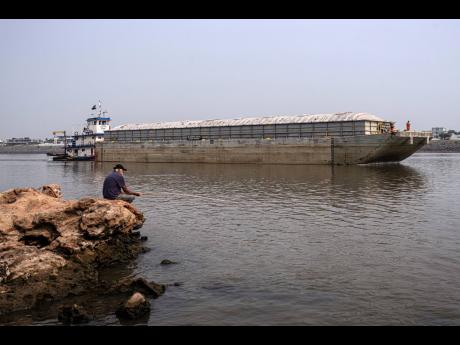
(371, 178)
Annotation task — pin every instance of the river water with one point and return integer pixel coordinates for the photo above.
(282, 245)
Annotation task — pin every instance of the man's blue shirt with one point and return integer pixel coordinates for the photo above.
(113, 184)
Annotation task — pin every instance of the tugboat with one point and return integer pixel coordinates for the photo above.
(82, 147)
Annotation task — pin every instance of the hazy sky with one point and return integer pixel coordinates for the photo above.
(53, 71)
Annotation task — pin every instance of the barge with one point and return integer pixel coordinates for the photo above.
(337, 139)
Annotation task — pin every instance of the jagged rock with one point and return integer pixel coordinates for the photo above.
(136, 234)
(73, 314)
(140, 285)
(53, 190)
(167, 262)
(175, 284)
(51, 246)
(135, 307)
(149, 288)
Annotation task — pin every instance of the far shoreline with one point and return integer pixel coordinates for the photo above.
(30, 149)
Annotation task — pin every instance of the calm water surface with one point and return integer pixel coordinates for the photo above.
(282, 245)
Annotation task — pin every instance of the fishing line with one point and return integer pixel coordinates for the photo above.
(189, 195)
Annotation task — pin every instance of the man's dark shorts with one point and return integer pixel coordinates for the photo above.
(124, 197)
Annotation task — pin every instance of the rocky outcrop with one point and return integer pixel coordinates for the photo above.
(50, 247)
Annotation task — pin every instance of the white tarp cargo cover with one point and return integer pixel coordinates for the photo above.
(267, 120)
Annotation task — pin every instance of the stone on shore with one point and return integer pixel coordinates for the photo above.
(136, 306)
(73, 314)
(50, 247)
(167, 262)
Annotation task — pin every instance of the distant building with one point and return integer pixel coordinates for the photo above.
(50, 141)
(437, 131)
(23, 141)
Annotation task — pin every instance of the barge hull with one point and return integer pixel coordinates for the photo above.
(329, 150)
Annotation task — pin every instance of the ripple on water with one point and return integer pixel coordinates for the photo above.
(298, 245)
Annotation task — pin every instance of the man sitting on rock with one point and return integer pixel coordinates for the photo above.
(114, 183)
